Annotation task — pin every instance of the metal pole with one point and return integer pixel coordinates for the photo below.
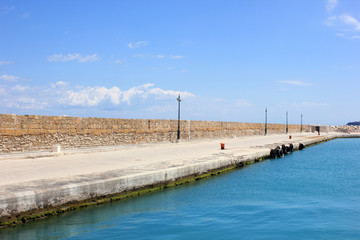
(265, 121)
(287, 128)
(178, 132)
(301, 124)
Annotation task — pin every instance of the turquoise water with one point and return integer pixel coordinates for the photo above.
(310, 194)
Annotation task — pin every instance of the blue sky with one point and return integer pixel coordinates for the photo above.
(229, 60)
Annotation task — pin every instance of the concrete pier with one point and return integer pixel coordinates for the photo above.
(38, 181)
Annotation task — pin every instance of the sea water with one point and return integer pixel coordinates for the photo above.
(310, 194)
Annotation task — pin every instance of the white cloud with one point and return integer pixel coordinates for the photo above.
(65, 98)
(243, 103)
(138, 44)
(5, 10)
(331, 20)
(132, 92)
(19, 88)
(114, 95)
(311, 104)
(3, 91)
(90, 96)
(61, 83)
(161, 56)
(26, 103)
(344, 23)
(176, 57)
(72, 57)
(355, 37)
(350, 21)
(93, 96)
(186, 43)
(5, 62)
(9, 78)
(331, 5)
(120, 61)
(295, 83)
(26, 97)
(26, 15)
(161, 93)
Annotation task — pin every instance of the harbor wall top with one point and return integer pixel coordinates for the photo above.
(34, 132)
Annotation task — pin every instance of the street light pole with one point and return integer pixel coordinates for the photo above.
(265, 121)
(178, 132)
(301, 124)
(287, 128)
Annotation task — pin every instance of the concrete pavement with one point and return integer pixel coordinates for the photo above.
(41, 180)
(21, 167)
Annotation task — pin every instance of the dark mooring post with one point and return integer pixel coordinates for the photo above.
(301, 124)
(265, 121)
(178, 131)
(287, 127)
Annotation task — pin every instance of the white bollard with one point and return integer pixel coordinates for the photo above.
(56, 148)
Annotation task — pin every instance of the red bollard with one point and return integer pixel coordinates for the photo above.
(289, 136)
(222, 146)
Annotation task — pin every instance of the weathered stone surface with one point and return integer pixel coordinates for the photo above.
(33, 133)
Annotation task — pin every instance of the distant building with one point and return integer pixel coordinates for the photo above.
(353, 123)
(319, 128)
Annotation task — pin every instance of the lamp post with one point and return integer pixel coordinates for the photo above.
(287, 128)
(178, 132)
(265, 121)
(301, 124)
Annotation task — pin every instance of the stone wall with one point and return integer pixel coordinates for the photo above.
(345, 129)
(33, 133)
